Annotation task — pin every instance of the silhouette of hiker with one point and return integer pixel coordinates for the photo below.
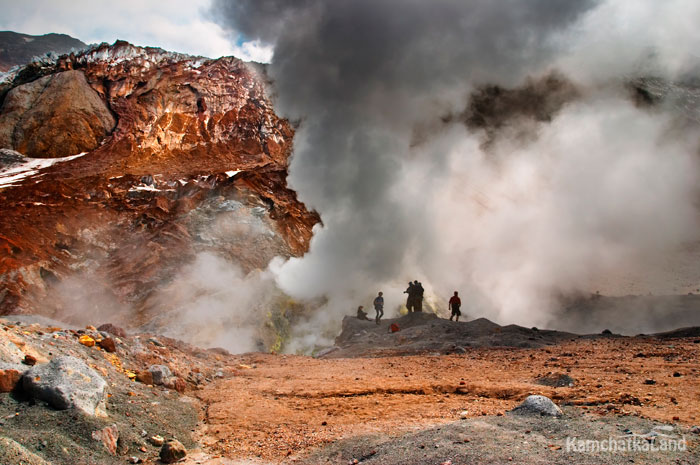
(418, 302)
(454, 304)
(410, 300)
(361, 314)
(379, 306)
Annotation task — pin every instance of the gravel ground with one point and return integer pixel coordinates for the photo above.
(508, 439)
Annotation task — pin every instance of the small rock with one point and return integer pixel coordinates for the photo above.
(110, 328)
(8, 379)
(108, 344)
(29, 360)
(538, 405)
(156, 440)
(67, 382)
(145, 377)
(109, 436)
(463, 414)
(649, 381)
(695, 430)
(172, 451)
(676, 374)
(135, 460)
(160, 373)
(86, 340)
(90, 328)
(606, 332)
(156, 342)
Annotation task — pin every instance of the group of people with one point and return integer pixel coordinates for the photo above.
(414, 303)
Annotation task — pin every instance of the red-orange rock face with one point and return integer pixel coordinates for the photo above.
(197, 161)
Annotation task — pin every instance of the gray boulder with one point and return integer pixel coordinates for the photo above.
(67, 382)
(538, 405)
(160, 373)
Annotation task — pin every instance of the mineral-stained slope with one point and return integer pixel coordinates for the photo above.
(170, 155)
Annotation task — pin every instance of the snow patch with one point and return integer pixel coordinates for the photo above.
(12, 175)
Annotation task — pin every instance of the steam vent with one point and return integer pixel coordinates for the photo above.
(371, 232)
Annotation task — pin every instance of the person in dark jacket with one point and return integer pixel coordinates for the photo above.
(454, 304)
(411, 299)
(379, 306)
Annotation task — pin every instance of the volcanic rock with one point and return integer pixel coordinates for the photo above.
(29, 360)
(145, 377)
(538, 405)
(55, 116)
(197, 162)
(9, 377)
(176, 384)
(108, 344)
(160, 373)
(67, 382)
(109, 436)
(172, 451)
(110, 328)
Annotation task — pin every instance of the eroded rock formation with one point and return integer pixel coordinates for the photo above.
(197, 161)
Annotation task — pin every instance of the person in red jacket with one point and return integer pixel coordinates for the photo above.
(454, 304)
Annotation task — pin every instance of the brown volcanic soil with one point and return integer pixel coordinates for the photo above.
(279, 406)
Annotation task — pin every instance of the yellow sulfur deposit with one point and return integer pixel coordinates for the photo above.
(86, 340)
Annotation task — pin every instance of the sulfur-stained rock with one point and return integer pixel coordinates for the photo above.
(67, 382)
(86, 340)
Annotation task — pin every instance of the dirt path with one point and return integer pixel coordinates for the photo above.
(277, 407)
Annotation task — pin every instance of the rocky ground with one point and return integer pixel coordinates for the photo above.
(426, 407)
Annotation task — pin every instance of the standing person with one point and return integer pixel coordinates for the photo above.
(419, 295)
(379, 306)
(454, 304)
(410, 300)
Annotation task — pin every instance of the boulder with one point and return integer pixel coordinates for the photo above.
(160, 373)
(172, 451)
(67, 382)
(54, 116)
(538, 405)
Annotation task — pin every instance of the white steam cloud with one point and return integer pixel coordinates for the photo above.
(600, 191)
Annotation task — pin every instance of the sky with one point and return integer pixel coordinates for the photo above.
(183, 26)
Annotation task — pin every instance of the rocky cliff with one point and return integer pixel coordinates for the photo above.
(121, 163)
